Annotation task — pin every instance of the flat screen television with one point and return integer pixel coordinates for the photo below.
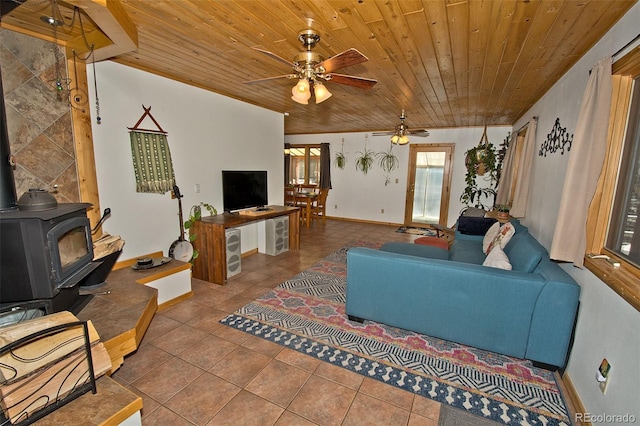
(243, 189)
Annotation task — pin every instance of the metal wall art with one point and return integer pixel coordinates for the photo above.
(557, 140)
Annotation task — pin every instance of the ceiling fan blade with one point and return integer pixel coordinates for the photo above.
(262, 80)
(382, 133)
(344, 59)
(350, 80)
(419, 133)
(274, 56)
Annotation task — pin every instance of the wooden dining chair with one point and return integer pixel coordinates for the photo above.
(290, 196)
(319, 207)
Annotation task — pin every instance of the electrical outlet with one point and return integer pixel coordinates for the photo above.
(197, 188)
(602, 375)
(335, 207)
(382, 211)
(397, 180)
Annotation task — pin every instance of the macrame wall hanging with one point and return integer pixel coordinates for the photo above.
(151, 157)
(557, 140)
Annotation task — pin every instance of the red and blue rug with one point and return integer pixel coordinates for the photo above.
(307, 314)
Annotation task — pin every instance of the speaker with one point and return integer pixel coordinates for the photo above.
(234, 252)
(277, 235)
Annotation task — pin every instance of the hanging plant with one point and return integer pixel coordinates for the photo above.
(388, 162)
(479, 161)
(340, 160)
(365, 158)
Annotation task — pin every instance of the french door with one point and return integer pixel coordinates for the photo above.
(429, 184)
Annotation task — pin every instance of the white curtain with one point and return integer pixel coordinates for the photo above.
(584, 167)
(521, 193)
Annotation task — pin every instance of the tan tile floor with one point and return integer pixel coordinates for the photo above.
(191, 370)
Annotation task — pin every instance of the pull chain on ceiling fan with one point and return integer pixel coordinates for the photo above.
(310, 68)
(400, 135)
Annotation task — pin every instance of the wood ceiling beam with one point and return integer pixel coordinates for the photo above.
(119, 34)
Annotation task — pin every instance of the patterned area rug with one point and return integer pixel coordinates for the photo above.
(417, 231)
(307, 314)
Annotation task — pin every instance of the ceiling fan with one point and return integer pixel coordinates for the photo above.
(400, 135)
(311, 69)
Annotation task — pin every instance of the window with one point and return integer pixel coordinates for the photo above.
(624, 228)
(612, 223)
(304, 164)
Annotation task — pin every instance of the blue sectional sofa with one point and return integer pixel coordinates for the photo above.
(527, 312)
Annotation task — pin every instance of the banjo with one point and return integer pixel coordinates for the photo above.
(181, 249)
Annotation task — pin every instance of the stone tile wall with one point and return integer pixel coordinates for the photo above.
(38, 116)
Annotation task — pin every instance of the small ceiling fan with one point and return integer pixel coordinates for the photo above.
(400, 135)
(311, 69)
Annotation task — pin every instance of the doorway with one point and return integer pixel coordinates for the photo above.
(429, 184)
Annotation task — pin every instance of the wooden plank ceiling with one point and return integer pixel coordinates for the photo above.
(448, 63)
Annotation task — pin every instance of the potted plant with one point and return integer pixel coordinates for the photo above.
(388, 162)
(480, 160)
(365, 160)
(194, 215)
(503, 210)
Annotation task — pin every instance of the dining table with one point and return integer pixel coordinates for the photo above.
(305, 199)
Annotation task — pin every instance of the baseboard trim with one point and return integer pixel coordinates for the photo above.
(574, 403)
(373, 222)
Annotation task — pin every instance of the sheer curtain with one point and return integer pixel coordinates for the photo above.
(506, 178)
(523, 180)
(584, 166)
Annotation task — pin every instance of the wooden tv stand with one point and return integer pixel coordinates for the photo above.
(211, 264)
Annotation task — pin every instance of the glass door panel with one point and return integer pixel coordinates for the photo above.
(429, 183)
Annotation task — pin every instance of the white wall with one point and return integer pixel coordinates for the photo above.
(607, 325)
(206, 132)
(363, 197)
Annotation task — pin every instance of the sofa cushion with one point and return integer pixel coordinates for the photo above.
(524, 253)
(475, 257)
(474, 225)
(497, 259)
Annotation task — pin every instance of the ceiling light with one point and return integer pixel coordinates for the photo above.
(321, 92)
(404, 139)
(301, 92)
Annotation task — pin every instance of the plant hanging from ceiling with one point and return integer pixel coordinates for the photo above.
(365, 158)
(340, 160)
(480, 160)
(388, 162)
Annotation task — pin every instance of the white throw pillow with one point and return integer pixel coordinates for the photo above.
(503, 237)
(489, 236)
(497, 259)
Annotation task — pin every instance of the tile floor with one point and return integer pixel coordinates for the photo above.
(191, 370)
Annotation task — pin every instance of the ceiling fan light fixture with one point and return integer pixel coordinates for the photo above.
(301, 92)
(404, 139)
(321, 92)
(395, 139)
